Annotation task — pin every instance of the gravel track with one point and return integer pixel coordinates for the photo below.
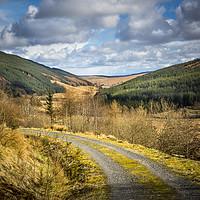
(121, 185)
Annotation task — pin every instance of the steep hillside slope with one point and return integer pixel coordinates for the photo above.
(178, 83)
(32, 77)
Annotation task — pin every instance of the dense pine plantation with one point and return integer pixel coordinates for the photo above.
(178, 83)
(29, 77)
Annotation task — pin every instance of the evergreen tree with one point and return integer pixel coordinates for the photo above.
(49, 102)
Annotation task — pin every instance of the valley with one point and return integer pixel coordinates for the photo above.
(110, 81)
(136, 128)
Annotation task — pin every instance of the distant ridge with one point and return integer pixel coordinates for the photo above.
(116, 76)
(31, 77)
(110, 81)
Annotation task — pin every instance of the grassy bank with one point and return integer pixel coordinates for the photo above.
(185, 167)
(34, 167)
(155, 187)
(182, 166)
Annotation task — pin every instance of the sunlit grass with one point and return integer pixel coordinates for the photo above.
(45, 168)
(184, 167)
(159, 190)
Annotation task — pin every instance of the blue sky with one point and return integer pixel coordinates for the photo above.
(107, 37)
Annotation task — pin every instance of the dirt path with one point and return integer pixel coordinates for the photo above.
(122, 185)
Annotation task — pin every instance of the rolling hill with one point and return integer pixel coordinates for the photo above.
(31, 77)
(178, 83)
(110, 81)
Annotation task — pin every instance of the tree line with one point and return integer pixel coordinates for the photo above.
(178, 84)
(162, 126)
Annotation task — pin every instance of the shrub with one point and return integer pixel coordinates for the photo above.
(11, 114)
(179, 136)
(43, 168)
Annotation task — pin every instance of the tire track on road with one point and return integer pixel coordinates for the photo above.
(120, 183)
(185, 189)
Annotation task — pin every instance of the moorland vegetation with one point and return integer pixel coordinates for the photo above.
(162, 126)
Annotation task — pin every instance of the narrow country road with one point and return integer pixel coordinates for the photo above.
(122, 185)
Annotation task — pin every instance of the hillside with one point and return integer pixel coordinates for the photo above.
(178, 83)
(31, 77)
(109, 81)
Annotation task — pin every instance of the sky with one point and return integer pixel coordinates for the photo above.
(102, 37)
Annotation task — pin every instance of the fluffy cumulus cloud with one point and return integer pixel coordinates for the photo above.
(150, 28)
(188, 14)
(114, 58)
(69, 21)
(93, 8)
(33, 31)
(104, 37)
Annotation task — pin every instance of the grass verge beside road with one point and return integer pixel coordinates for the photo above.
(155, 186)
(39, 167)
(185, 167)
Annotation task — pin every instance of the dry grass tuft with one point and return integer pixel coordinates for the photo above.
(34, 167)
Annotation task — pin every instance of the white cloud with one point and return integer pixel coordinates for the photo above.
(31, 12)
(8, 38)
(49, 53)
(111, 58)
(132, 60)
(188, 15)
(59, 33)
(152, 27)
(92, 8)
(68, 21)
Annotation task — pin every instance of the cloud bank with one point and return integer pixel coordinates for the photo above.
(112, 36)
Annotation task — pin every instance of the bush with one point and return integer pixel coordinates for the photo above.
(34, 167)
(179, 136)
(11, 114)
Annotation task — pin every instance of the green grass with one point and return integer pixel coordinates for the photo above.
(184, 167)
